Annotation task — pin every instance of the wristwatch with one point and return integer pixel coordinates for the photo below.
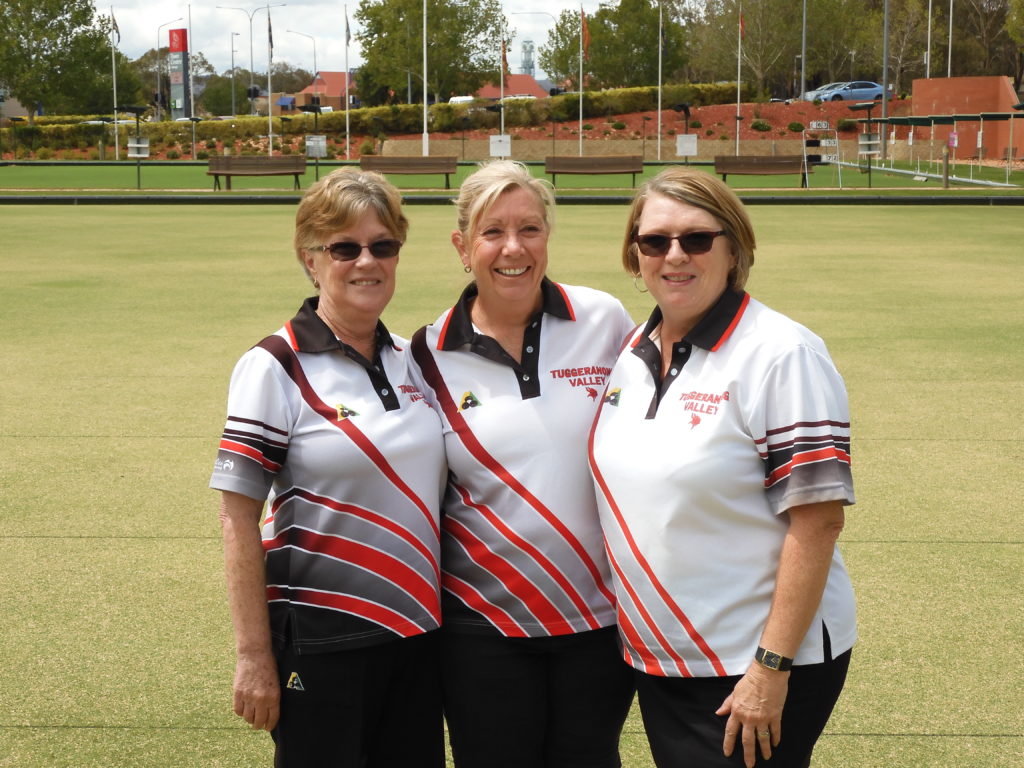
(772, 660)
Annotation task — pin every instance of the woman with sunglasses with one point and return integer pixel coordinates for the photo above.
(336, 607)
(721, 459)
(533, 675)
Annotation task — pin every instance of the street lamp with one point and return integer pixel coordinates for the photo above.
(233, 36)
(316, 72)
(159, 95)
(250, 14)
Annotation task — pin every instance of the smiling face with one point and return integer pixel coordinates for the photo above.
(354, 293)
(507, 251)
(684, 286)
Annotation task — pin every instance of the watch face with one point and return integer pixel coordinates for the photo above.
(772, 660)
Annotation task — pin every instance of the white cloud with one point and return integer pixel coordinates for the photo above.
(323, 19)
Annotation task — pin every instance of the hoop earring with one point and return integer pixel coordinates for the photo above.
(466, 268)
(637, 285)
(316, 284)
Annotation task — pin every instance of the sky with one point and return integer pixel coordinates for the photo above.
(140, 21)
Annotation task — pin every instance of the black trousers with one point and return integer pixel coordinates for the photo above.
(684, 731)
(545, 702)
(375, 707)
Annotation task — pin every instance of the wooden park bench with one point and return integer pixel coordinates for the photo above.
(446, 164)
(761, 165)
(1009, 154)
(631, 164)
(255, 165)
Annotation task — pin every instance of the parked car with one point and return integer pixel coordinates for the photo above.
(460, 100)
(856, 90)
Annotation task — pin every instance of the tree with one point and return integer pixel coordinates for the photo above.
(51, 49)
(216, 96)
(289, 79)
(624, 45)
(559, 56)
(466, 35)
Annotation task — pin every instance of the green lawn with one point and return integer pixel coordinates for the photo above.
(122, 324)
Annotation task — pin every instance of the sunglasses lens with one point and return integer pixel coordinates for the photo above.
(653, 245)
(697, 242)
(345, 251)
(385, 249)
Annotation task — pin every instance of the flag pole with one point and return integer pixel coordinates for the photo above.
(348, 140)
(113, 69)
(660, 40)
(501, 87)
(583, 24)
(739, 72)
(270, 92)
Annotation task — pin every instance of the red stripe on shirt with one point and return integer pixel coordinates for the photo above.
(735, 321)
(671, 604)
(512, 579)
(277, 347)
(807, 457)
(356, 606)
(248, 451)
(468, 594)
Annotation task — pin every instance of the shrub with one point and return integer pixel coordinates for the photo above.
(367, 147)
(286, 149)
(618, 125)
(760, 125)
(671, 132)
(94, 154)
(44, 153)
(696, 124)
(796, 126)
(846, 125)
(68, 154)
(173, 154)
(202, 154)
(709, 132)
(211, 143)
(588, 127)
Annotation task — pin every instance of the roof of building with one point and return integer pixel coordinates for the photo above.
(515, 85)
(330, 83)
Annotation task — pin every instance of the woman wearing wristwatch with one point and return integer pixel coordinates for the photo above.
(721, 460)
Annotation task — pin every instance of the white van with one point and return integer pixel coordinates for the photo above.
(460, 100)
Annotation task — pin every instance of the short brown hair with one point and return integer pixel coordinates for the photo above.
(704, 191)
(339, 199)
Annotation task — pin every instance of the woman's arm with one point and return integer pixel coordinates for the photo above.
(257, 692)
(755, 705)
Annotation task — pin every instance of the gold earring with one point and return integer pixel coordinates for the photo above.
(637, 285)
(466, 268)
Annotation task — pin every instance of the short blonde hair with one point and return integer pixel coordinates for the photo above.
(339, 200)
(492, 179)
(704, 191)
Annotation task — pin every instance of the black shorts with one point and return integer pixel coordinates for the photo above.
(538, 702)
(684, 731)
(373, 707)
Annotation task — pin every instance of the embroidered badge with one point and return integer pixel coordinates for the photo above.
(295, 682)
(344, 413)
(612, 398)
(468, 401)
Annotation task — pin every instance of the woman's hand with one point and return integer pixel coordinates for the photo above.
(257, 692)
(755, 712)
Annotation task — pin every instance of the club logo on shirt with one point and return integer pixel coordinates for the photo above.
(694, 420)
(344, 412)
(592, 393)
(588, 376)
(413, 393)
(612, 398)
(295, 682)
(223, 465)
(468, 401)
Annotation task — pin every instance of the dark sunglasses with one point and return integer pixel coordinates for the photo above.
(349, 251)
(692, 243)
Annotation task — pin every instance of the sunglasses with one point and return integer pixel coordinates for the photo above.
(692, 243)
(349, 251)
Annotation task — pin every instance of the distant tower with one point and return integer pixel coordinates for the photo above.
(527, 68)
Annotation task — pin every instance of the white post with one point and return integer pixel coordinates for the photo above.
(113, 69)
(949, 46)
(270, 90)
(660, 53)
(580, 116)
(348, 153)
(426, 135)
(928, 48)
(739, 70)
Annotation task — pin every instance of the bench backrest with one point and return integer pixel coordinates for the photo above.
(296, 163)
(432, 164)
(600, 164)
(735, 164)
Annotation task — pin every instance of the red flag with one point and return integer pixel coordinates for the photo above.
(584, 32)
(743, 28)
(504, 63)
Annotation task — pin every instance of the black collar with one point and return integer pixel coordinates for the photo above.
(458, 330)
(312, 334)
(715, 327)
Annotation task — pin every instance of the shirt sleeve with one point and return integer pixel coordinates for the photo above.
(801, 427)
(254, 445)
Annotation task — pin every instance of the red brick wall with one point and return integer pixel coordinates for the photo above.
(968, 96)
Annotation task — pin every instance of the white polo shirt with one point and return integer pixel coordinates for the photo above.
(694, 476)
(350, 458)
(522, 551)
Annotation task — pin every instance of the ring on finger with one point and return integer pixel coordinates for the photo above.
(763, 734)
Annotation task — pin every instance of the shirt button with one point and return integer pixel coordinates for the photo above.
(534, 325)
(529, 350)
(384, 392)
(673, 372)
(526, 377)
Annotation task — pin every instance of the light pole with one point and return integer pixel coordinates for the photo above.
(250, 14)
(949, 45)
(233, 36)
(159, 95)
(316, 72)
